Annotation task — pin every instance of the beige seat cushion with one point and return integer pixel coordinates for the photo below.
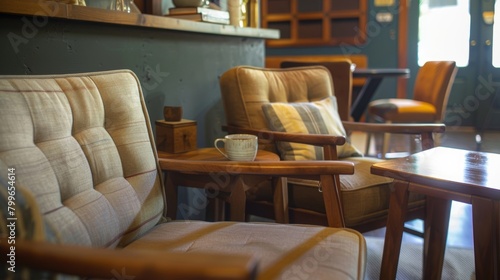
(403, 110)
(365, 196)
(285, 251)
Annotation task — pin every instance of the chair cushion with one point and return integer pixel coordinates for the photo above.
(319, 117)
(23, 207)
(365, 196)
(283, 251)
(403, 110)
(82, 145)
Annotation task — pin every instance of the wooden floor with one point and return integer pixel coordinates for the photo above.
(460, 227)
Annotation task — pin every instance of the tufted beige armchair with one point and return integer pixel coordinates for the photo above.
(79, 167)
(363, 197)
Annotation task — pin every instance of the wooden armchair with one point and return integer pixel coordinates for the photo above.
(254, 97)
(81, 188)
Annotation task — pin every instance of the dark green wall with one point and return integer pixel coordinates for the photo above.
(175, 68)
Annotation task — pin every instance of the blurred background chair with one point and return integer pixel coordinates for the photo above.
(430, 97)
(260, 100)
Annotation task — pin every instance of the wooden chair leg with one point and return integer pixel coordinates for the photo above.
(331, 196)
(171, 193)
(435, 234)
(368, 143)
(237, 200)
(398, 207)
(385, 145)
(217, 210)
(484, 220)
(280, 200)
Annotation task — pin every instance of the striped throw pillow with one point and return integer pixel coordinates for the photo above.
(320, 117)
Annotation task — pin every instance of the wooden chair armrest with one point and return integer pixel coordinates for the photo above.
(406, 128)
(117, 263)
(325, 171)
(297, 169)
(311, 139)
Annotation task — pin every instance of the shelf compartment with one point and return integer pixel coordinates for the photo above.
(310, 6)
(284, 27)
(310, 29)
(315, 22)
(278, 6)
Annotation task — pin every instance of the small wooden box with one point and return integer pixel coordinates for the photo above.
(176, 137)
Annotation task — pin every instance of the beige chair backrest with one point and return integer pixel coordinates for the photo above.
(81, 145)
(245, 89)
(341, 73)
(433, 85)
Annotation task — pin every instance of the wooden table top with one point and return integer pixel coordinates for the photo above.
(211, 154)
(463, 171)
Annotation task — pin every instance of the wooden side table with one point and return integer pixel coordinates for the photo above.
(445, 174)
(232, 187)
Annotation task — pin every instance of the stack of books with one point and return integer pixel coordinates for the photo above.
(200, 14)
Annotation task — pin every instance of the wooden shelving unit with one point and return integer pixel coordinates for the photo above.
(49, 9)
(315, 22)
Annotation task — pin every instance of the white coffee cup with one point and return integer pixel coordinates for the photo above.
(238, 147)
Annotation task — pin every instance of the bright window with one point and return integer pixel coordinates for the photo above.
(496, 36)
(444, 31)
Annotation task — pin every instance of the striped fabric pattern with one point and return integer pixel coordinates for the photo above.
(284, 251)
(320, 117)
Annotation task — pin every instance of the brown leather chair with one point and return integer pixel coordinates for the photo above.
(363, 198)
(430, 96)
